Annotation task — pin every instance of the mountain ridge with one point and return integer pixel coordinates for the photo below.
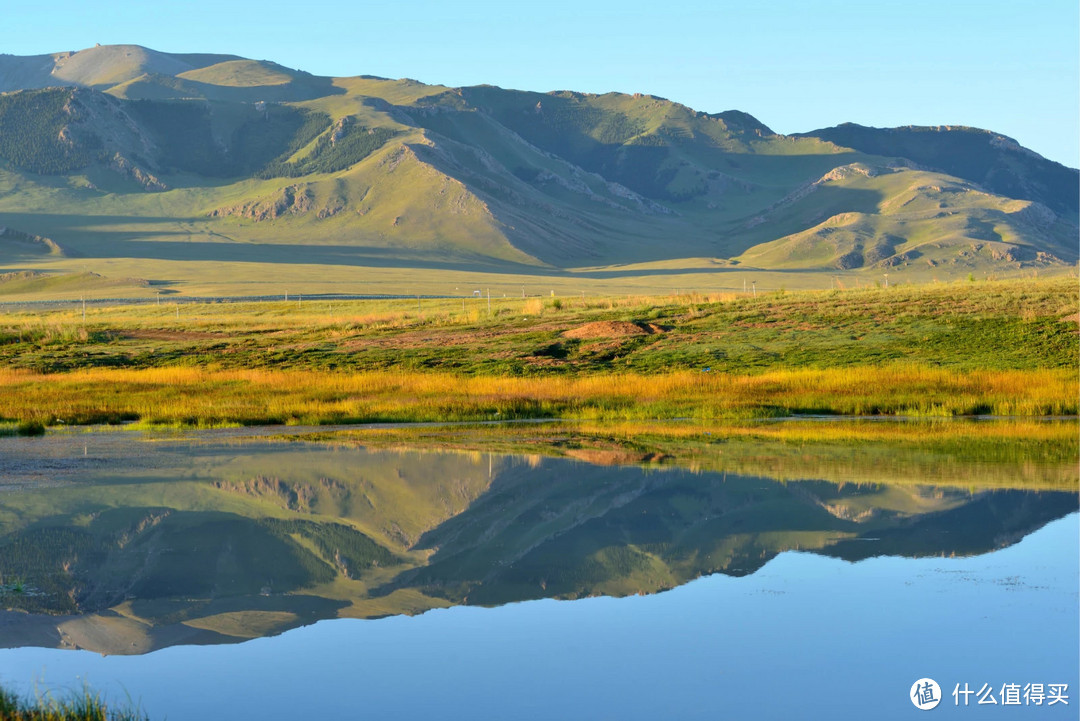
(556, 180)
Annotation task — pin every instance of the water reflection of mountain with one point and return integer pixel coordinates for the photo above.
(136, 546)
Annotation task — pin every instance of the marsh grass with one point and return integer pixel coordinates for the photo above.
(82, 705)
(201, 397)
(30, 427)
(1005, 348)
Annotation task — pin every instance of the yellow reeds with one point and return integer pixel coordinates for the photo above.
(187, 395)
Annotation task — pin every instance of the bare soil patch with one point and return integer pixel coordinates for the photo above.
(442, 337)
(612, 329)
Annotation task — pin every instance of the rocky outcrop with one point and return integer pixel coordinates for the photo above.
(128, 169)
(836, 174)
(43, 244)
(291, 200)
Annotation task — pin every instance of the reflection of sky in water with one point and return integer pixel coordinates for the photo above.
(804, 637)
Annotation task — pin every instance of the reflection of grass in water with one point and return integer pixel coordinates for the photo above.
(14, 585)
(83, 705)
(984, 454)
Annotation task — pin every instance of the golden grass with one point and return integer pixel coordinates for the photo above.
(202, 396)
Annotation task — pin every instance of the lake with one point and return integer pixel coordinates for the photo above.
(264, 573)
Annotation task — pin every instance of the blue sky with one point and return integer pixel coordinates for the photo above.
(796, 66)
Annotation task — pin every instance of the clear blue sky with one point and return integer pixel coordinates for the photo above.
(796, 66)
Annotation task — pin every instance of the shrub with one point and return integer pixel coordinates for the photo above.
(30, 428)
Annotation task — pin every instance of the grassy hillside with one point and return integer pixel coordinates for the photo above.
(919, 218)
(240, 74)
(995, 162)
(173, 168)
(100, 66)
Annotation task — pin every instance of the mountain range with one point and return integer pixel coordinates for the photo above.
(125, 153)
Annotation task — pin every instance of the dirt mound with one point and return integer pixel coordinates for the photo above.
(612, 329)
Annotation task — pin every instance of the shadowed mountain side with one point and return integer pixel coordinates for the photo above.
(919, 219)
(351, 255)
(996, 162)
(165, 87)
(193, 239)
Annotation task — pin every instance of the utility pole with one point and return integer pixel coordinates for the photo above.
(84, 308)
(886, 280)
(489, 300)
(753, 284)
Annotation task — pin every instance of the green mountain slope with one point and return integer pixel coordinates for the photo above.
(124, 154)
(997, 163)
(919, 218)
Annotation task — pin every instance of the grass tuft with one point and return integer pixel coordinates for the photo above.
(83, 705)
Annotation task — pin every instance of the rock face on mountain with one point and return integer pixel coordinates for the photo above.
(559, 179)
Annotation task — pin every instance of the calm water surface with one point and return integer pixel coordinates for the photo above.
(219, 578)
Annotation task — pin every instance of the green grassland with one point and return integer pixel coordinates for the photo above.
(1022, 325)
(1006, 348)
